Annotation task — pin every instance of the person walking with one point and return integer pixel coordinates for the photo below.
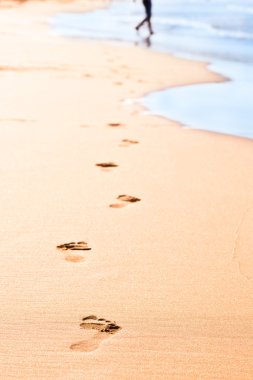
(148, 9)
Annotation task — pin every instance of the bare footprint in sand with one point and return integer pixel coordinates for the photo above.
(126, 199)
(127, 142)
(87, 75)
(115, 125)
(107, 165)
(103, 329)
(74, 258)
(118, 205)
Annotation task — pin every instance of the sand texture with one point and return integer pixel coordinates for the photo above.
(160, 284)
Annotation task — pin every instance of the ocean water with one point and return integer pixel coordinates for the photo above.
(217, 31)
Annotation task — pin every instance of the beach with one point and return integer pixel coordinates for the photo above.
(219, 32)
(163, 287)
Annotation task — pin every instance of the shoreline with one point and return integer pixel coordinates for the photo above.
(62, 23)
(140, 268)
(75, 6)
(219, 78)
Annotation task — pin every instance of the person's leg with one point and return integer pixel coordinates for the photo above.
(150, 26)
(141, 23)
(148, 8)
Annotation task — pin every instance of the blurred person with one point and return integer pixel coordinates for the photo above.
(148, 9)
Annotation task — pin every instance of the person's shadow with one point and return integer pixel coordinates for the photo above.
(145, 41)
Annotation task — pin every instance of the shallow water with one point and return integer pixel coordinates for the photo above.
(219, 31)
(224, 108)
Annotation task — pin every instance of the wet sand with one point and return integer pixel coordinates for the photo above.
(158, 287)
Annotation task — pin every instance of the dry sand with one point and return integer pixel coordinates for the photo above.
(174, 270)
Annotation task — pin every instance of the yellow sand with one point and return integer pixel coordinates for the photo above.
(174, 270)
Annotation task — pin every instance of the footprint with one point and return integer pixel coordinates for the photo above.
(80, 246)
(118, 205)
(18, 120)
(127, 142)
(124, 198)
(87, 75)
(128, 198)
(103, 328)
(74, 258)
(114, 125)
(107, 165)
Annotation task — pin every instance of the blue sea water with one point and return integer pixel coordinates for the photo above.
(216, 31)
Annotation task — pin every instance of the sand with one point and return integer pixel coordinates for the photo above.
(172, 271)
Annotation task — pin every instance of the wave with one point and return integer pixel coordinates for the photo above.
(198, 25)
